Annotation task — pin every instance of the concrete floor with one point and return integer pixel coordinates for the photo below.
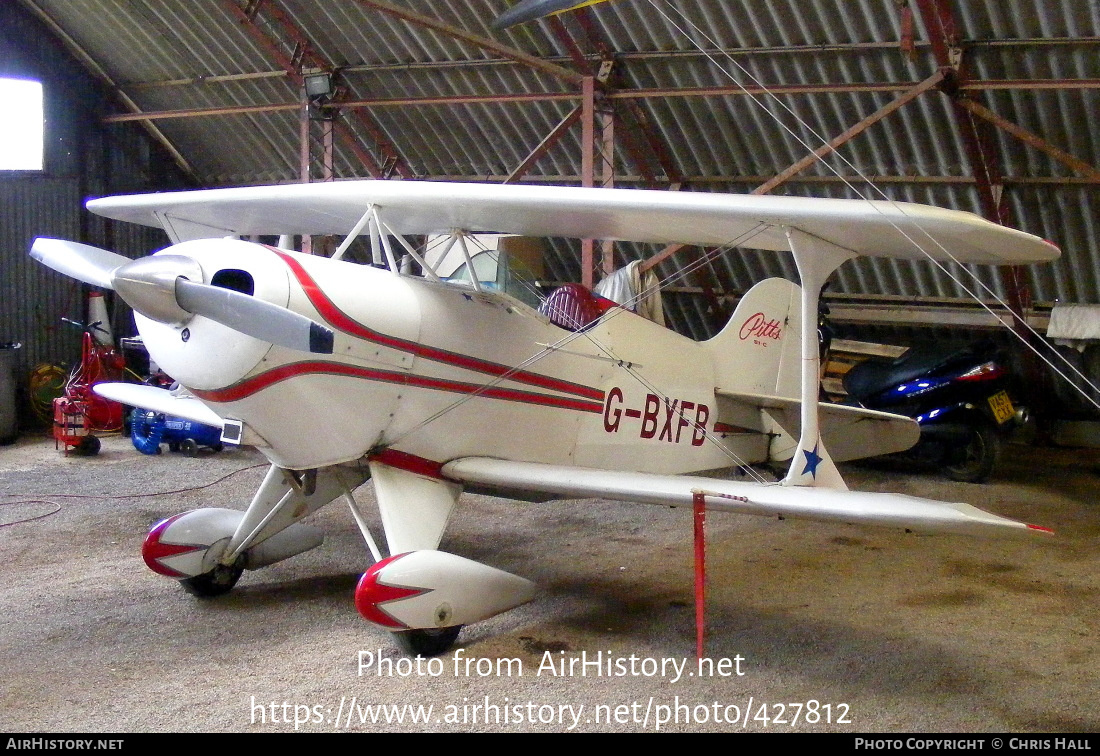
(884, 630)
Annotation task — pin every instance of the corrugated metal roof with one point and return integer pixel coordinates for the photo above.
(719, 142)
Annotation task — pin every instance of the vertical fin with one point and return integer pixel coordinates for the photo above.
(757, 352)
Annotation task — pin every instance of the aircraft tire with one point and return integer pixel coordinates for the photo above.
(976, 460)
(88, 447)
(428, 642)
(216, 582)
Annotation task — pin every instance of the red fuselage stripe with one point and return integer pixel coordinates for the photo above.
(408, 462)
(341, 320)
(257, 383)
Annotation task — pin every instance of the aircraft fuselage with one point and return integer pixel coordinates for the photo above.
(441, 371)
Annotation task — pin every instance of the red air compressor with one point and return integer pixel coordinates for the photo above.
(81, 411)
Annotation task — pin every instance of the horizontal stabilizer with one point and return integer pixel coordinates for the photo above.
(893, 510)
(848, 432)
(160, 400)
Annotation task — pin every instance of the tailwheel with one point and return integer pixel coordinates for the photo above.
(216, 582)
(427, 642)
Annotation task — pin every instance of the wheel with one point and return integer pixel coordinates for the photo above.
(432, 642)
(974, 462)
(189, 447)
(88, 447)
(219, 580)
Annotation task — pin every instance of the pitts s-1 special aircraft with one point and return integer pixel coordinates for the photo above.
(341, 372)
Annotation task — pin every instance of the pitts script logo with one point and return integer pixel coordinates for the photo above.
(760, 329)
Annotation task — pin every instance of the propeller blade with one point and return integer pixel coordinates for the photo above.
(83, 262)
(529, 10)
(254, 317)
(158, 288)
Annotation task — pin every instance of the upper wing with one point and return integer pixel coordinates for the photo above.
(895, 510)
(886, 229)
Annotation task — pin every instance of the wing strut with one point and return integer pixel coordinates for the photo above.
(380, 234)
(816, 260)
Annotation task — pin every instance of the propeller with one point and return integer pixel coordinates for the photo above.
(529, 10)
(159, 288)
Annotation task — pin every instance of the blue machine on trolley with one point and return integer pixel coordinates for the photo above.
(148, 430)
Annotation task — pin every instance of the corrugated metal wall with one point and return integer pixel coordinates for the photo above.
(82, 159)
(32, 298)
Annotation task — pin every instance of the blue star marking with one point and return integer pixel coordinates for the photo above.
(813, 459)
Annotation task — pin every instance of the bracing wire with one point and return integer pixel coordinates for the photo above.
(918, 229)
(708, 257)
(586, 333)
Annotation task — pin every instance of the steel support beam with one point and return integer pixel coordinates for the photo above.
(163, 115)
(391, 158)
(304, 160)
(622, 57)
(850, 133)
(637, 123)
(419, 19)
(292, 64)
(1030, 138)
(606, 177)
(660, 257)
(977, 136)
(544, 146)
(871, 86)
(588, 161)
(98, 72)
(980, 145)
(327, 168)
(627, 96)
(557, 28)
(636, 131)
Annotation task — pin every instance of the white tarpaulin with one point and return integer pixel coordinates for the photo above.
(1074, 322)
(635, 291)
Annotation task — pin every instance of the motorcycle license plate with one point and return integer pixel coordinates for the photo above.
(1001, 406)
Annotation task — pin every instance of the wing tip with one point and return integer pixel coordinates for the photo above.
(1040, 529)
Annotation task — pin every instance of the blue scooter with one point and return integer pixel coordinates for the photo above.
(960, 398)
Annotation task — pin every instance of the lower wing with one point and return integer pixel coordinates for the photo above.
(894, 510)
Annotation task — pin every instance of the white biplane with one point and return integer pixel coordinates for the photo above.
(341, 372)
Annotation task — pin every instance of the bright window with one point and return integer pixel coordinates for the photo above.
(20, 125)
